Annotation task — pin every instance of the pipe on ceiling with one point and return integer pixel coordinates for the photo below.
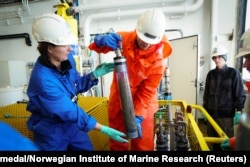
(134, 12)
(128, 3)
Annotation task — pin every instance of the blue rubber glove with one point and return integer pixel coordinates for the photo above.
(114, 134)
(103, 69)
(110, 40)
(237, 117)
(138, 121)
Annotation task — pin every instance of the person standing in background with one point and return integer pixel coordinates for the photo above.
(57, 121)
(224, 95)
(145, 49)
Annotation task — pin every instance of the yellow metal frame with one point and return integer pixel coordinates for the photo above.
(197, 141)
(220, 132)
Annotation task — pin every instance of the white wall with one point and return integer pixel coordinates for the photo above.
(16, 48)
(191, 23)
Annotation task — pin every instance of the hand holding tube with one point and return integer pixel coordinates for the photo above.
(110, 40)
(138, 121)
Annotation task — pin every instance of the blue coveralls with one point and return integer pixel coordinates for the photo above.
(58, 123)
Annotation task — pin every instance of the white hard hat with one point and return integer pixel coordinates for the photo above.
(220, 50)
(54, 29)
(245, 45)
(151, 26)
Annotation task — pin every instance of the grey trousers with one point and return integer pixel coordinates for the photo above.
(226, 124)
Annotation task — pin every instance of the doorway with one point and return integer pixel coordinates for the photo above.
(184, 69)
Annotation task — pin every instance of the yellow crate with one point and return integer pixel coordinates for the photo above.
(98, 108)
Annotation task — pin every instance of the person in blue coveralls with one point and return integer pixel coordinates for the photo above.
(58, 123)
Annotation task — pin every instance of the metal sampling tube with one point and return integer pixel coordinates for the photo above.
(125, 95)
(162, 137)
(171, 128)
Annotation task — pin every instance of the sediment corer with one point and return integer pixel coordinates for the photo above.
(162, 137)
(243, 133)
(125, 95)
(181, 139)
(171, 128)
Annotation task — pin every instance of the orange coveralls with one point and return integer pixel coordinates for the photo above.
(145, 71)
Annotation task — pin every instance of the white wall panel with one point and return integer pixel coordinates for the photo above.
(226, 11)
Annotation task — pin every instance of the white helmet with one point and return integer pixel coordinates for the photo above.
(245, 44)
(54, 29)
(151, 26)
(219, 50)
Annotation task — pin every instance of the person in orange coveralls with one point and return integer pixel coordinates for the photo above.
(145, 49)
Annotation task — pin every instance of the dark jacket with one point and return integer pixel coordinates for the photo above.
(224, 93)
